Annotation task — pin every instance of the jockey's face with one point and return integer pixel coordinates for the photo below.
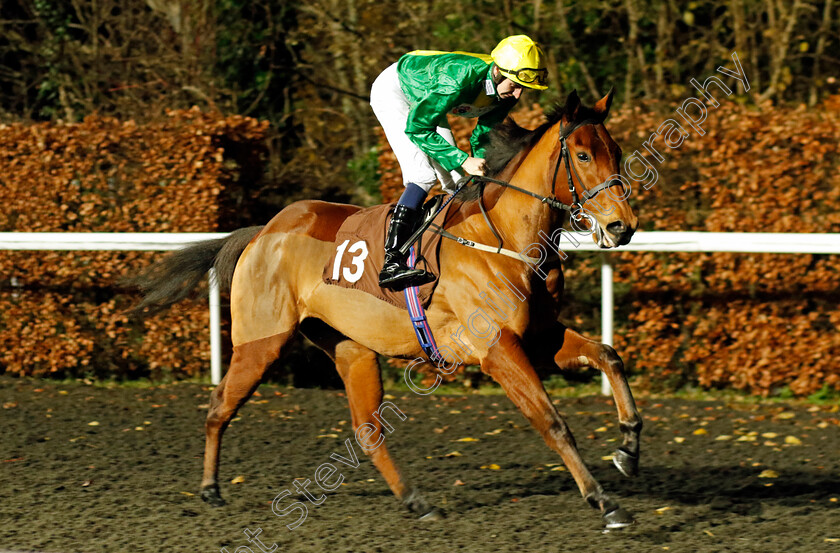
(509, 89)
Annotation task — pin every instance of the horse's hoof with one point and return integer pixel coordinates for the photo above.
(415, 503)
(618, 518)
(433, 516)
(211, 495)
(626, 463)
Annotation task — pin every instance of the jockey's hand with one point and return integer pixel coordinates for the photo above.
(474, 166)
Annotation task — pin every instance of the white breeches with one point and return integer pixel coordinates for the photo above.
(391, 108)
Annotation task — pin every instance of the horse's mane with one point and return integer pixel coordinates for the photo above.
(508, 139)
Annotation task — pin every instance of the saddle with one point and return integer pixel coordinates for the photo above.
(359, 253)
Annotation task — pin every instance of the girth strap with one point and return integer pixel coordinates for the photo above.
(418, 316)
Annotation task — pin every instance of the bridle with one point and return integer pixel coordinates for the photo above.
(575, 209)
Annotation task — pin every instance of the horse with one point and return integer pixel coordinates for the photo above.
(276, 289)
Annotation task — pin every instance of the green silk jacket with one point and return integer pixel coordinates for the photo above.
(437, 83)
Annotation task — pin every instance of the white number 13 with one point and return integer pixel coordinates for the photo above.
(360, 249)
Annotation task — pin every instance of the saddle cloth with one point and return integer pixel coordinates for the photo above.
(359, 253)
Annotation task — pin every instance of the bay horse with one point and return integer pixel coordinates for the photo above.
(275, 278)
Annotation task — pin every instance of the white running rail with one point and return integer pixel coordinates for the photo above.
(737, 242)
(130, 241)
(748, 242)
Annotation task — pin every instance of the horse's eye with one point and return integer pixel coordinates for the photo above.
(583, 157)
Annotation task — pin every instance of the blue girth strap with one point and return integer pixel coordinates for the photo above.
(418, 315)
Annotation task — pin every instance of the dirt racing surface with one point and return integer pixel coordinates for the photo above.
(91, 469)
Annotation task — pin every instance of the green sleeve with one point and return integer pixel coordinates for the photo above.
(480, 135)
(422, 124)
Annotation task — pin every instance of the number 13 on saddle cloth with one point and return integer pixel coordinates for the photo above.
(360, 252)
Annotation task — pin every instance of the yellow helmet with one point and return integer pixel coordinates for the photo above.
(521, 60)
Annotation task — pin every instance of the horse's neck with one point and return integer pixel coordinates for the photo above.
(518, 217)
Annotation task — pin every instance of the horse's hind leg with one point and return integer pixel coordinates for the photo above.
(247, 367)
(359, 369)
(577, 352)
(508, 364)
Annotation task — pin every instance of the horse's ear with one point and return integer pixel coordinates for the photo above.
(572, 105)
(603, 105)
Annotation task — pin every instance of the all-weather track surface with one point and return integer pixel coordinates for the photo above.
(90, 469)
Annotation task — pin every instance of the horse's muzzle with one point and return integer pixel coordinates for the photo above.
(620, 232)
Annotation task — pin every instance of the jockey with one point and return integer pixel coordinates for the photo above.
(411, 99)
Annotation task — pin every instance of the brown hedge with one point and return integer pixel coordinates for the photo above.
(60, 312)
(755, 322)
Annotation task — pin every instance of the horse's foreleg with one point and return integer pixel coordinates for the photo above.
(247, 367)
(577, 352)
(508, 364)
(359, 369)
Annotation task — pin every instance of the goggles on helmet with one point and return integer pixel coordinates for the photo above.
(527, 75)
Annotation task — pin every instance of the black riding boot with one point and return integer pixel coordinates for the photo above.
(395, 273)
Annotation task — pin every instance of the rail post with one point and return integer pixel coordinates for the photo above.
(606, 312)
(215, 329)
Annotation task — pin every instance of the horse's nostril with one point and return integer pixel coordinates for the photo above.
(616, 228)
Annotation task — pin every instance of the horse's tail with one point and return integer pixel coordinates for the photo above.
(171, 279)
